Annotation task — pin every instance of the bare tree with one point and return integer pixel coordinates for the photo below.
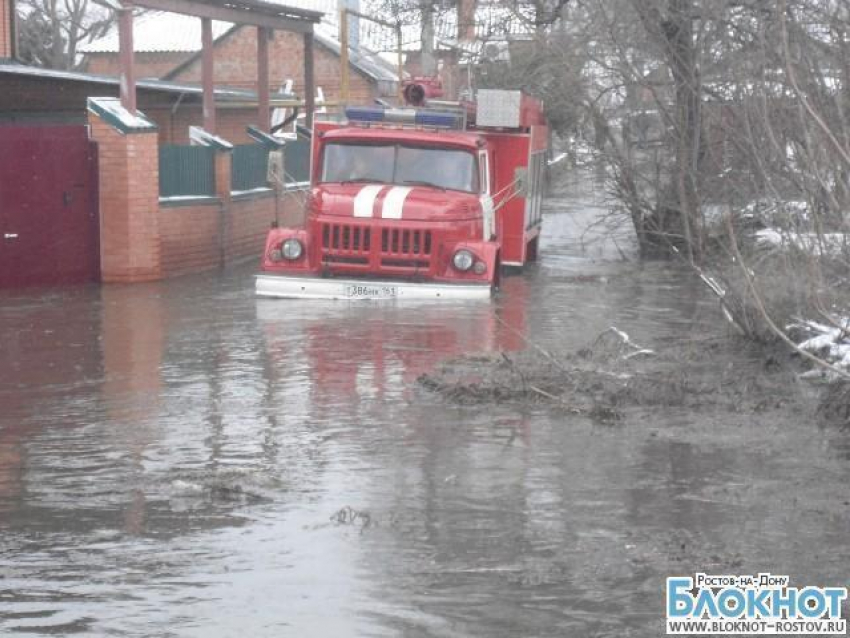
(50, 31)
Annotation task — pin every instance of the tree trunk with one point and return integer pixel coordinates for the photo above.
(678, 30)
(428, 61)
(677, 220)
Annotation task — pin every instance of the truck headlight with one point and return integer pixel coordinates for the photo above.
(463, 260)
(292, 249)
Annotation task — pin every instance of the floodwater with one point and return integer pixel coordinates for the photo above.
(182, 459)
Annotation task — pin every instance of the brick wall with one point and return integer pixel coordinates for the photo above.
(247, 225)
(200, 237)
(174, 126)
(231, 123)
(250, 220)
(6, 44)
(236, 66)
(129, 194)
(147, 64)
(190, 238)
(144, 238)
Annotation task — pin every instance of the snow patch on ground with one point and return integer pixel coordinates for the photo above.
(830, 342)
(816, 243)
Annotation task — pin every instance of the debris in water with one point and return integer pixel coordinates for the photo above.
(611, 374)
(350, 516)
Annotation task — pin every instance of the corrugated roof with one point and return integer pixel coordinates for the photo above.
(159, 32)
(156, 31)
(221, 93)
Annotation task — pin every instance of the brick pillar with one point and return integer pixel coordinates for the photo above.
(7, 33)
(128, 170)
(223, 160)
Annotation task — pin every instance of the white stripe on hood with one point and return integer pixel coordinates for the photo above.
(364, 201)
(394, 202)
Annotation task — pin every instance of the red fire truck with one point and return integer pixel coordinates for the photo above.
(415, 202)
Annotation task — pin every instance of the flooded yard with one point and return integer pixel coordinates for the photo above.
(183, 459)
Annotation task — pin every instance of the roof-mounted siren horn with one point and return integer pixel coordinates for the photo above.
(420, 89)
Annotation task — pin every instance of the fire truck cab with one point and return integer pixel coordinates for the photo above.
(425, 202)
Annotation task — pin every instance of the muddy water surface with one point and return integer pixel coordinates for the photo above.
(183, 459)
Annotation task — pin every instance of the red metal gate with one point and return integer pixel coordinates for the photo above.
(49, 231)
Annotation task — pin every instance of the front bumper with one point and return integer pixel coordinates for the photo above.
(364, 289)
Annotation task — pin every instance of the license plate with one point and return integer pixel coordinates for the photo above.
(367, 291)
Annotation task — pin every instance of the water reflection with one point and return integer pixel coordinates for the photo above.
(368, 352)
(49, 356)
(172, 457)
(133, 337)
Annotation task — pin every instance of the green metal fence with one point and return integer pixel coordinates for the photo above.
(249, 167)
(186, 170)
(296, 161)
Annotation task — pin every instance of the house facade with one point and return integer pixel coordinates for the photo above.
(168, 46)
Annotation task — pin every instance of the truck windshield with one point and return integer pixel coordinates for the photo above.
(447, 169)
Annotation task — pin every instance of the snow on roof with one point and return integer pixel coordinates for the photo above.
(159, 32)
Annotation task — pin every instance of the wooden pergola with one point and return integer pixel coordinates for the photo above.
(265, 16)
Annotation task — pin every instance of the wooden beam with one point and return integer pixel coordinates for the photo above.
(263, 110)
(309, 80)
(208, 74)
(400, 64)
(127, 82)
(230, 14)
